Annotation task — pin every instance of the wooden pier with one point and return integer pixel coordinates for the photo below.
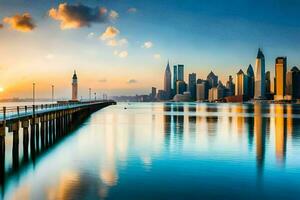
(42, 126)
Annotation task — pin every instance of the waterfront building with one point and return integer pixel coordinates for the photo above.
(268, 85)
(280, 73)
(167, 82)
(192, 85)
(241, 83)
(153, 93)
(175, 78)
(293, 83)
(185, 97)
(74, 87)
(216, 93)
(212, 80)
(259, 76)
(250, 78)
(181, 87)
(161, 95)
(230, 86)
(180, 75)
(202, 91)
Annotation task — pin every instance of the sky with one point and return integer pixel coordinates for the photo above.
(121, 47)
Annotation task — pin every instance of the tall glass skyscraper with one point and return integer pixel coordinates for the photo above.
(180, 72)
(168, 82)
(259, 76)
(175, 78)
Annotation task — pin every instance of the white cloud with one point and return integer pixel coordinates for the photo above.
(122, 54)
(157, 56)
(91, 35)
(147, 45)
(113, 15)
(114, 42)
(109, 33)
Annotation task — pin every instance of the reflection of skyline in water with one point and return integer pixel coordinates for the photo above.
(115, 148)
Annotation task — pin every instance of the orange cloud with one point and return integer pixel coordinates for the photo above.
(110, 33)
(78, 15)
(23, 23)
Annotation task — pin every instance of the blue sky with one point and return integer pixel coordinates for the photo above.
(222, 36)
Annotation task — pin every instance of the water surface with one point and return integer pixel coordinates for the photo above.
(170, 151)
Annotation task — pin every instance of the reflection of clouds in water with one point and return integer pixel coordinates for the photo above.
(66, 185)
(109, 176)
(22, 192)
(147, 161)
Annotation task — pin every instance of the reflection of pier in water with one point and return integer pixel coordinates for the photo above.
(41, 129)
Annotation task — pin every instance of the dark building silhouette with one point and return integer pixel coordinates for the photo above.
(192, 85)
(181, 87)
(250, 76)
(293, 83)
(180, 73)
(268, 83)
(230, 86)
(212, 80)
(175, 78)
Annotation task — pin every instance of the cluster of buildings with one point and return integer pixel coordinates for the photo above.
(253, 84)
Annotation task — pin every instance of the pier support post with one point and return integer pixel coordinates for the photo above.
(2, 152)
(25, 125)
(37, 133)
(51, 128)
(15, 148)
(42, 120)
(32, 138)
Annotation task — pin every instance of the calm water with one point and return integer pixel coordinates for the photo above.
(170, 151)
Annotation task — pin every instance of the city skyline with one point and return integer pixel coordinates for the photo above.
(114, 55)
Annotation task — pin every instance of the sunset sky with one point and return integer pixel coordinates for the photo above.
(122, 46)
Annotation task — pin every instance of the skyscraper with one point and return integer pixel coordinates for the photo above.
(175, 78)
(202, 91)
(167, 82)
(180, 72)
(293, 83)
(268, 84)
(74, 87)
(250, 77)
(192, 85)
(181, 87)
(241, 83)
(153, 93)
(230, 86)
(259, 76)
(280, 73)
(212, 80)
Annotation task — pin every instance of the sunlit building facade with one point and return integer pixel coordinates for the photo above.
(241, 83)
(280, 73)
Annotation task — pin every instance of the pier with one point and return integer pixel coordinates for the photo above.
(40, 126)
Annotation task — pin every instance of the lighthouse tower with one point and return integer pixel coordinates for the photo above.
(74, 87)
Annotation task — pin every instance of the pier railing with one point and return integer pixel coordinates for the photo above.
(12, 112)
